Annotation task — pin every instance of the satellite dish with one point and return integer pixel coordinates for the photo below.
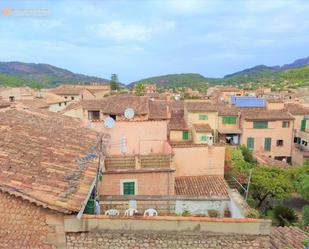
(129, 113)
(109, 123)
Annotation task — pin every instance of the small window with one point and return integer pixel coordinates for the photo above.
(285, 124)
(94, 115)
(128, 188)
(59, 104)
(304, 143)
(260, 124)
(65, 97)
(203, 117)
(72, 98)
(297, 140)
(250, 143)
(280, 142)
(185, 135)
(12, 98)
(204, 139)
(229, 120)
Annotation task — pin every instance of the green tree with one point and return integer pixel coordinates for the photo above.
(114, 83)
(269, 183)
(300, 179)
(139, 89)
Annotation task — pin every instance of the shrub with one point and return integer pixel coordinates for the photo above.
(186, 213)
(253, 213)
(213, 213)
(247, 154)
(305, 214)
(284, 215)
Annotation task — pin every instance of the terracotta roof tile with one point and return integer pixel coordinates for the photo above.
(118, 104)
(4, 103)
(296, 109)
(40, 158)
(177, 121)
(287, 237)
(202, 127)
(200, 106)
(203, 186)
(264, 114)
(158, 110)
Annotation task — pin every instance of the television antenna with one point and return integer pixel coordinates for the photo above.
(129, 113)
(109, 123)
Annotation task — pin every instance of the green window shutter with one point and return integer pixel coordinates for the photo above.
(204, 138)
(250, 143)
(229, 120)
(303, 125)
(129, 188)
(185, 135)
(260, 124)
(267, 144)
(203, 117)
(285, 124)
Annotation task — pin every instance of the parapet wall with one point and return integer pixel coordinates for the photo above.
(167, 232)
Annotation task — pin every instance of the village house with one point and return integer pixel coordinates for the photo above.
(229, 131)
(300, 148)
(15, 93)
(44, 176)
(268, 132)
(225, 93)
(78, 92)
(45, 101)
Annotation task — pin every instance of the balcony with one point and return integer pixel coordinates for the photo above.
(153, 161)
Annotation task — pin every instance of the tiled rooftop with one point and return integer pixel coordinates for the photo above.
(177, 122)
(263, 114)
(287, 237)
(158, 110)
(200, 106)
(202, 127)
(39, 154)
(296, 109)
(118, 104)
(201, 186)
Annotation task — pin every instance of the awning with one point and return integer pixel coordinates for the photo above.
(229, 131)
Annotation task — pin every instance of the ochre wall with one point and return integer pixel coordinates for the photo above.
(275, 132)
(195, 161)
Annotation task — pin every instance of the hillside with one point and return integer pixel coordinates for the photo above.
(291, 75)
(175, 80)
(39, 75)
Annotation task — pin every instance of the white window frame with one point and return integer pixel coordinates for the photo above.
(128, 180)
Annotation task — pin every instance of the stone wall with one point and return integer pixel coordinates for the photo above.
(143, 240)
(25, 225)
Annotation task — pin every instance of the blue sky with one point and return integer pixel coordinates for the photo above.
(139, 39)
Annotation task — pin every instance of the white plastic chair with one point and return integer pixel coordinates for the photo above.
(150, 212)
(130, 212)
(112, 212)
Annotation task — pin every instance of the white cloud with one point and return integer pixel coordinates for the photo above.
(121, 32)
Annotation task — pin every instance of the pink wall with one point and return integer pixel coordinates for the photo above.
(152, 183)
(141, 137)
